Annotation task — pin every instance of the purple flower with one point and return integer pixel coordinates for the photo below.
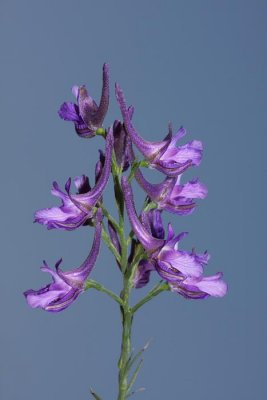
(202, 287)
(66, 286)
(183, 270)
(77, 209)
(164, 155)
(87, 115)
(171, 195)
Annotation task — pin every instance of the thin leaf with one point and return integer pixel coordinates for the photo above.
(135, 374)
(131, 360)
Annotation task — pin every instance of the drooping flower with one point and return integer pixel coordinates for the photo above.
(170, 195)
(178, 267)
(86, 114)
(76, 209)
(165, 156)
(66, 286)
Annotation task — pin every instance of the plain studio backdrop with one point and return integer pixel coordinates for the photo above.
(200, 64)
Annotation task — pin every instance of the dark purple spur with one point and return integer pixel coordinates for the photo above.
(86, 114)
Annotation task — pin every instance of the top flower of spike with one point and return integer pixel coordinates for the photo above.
(87, 115)
(164, 155)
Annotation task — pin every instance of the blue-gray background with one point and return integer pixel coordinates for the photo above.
(197, 63)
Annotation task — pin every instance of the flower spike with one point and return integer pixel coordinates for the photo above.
(66, 286)
(87, 115)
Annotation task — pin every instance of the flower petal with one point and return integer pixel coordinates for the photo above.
(148, 241)
(182, 261)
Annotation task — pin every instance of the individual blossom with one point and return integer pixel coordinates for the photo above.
(66, 286)
(77, 209)
(86, 114)
(181, 269)
(165, 156)
(170, 195)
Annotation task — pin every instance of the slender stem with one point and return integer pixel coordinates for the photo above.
(110, 218)
(127, 319)
(126, 312)
(95, 285)
(161, 287)
(110, 245)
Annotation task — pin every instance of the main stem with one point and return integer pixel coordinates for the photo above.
(127, 318)
(126, 312)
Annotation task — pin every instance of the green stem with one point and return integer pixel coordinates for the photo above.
(110, 218)
(110, 245)
(95, 285)
(161, 287)
(127, 319)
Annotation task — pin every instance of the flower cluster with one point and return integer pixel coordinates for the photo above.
(154, 250)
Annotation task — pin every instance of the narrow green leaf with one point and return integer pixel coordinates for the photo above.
(132, 359)
(135, 374)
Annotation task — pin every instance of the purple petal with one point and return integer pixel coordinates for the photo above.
(76, 277)
(191, 190)
(191, 151)
(156, 191)
(100, 186)
(76, 209)
(182, 261)
(149, 149)
(148, 241)
(75, 91)
(167, 272)
(70, 112)
(156, 224)
(66, 286)
(114, 237)
(142, 274)
(82, 184)
(201, 288)
(99, 116)
(122, 145)
(170, 195)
